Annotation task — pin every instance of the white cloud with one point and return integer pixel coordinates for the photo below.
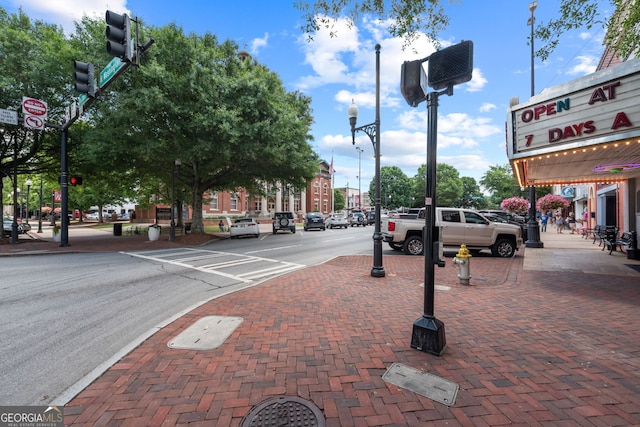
(65, 12)
(586, 65)
(486, 107)
(258, 43)
(477, 81)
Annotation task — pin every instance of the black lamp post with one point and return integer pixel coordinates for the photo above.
(40, 209)
(373, 131)
(533, 230)
(28, 182)
(176, 169)
(360, 150)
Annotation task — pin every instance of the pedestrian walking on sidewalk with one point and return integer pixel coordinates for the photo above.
(572, 222)
(544, 219)
(559, 223)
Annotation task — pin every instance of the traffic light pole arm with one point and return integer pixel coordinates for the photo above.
(140, 51)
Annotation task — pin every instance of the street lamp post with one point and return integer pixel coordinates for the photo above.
(172, 229)
(360, 150)
(40, 209)
(533, 230)
(373, 131)
(28, 182)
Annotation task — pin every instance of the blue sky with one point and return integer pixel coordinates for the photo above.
(333, 71)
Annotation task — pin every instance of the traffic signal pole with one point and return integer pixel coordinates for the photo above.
(92, 91)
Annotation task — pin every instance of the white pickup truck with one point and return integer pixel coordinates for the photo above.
(459, 226)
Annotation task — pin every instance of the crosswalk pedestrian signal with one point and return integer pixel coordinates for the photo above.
(75, 180)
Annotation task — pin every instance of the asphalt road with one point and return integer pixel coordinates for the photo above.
(67, 317)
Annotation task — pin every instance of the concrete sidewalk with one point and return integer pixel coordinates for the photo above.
(550, 337)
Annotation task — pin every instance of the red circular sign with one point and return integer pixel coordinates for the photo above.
(35, 107)
(34, 122)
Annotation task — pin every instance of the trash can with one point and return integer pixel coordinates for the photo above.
(117, 229)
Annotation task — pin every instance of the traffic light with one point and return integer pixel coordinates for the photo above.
(119, 36)
(84, 78)
(75, 180)
(411, 78)
(451, 66)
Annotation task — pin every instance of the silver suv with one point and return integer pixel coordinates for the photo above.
(284, 221)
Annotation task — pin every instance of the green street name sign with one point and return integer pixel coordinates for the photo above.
(110, 70)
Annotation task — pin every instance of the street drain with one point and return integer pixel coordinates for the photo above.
(427, 385)
(206, 333)
(284, 412)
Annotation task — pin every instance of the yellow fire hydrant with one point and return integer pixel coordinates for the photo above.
(463, 259)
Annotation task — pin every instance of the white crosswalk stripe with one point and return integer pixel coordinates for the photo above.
(244, 268)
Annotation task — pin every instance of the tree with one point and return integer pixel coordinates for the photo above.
(410, 18)
(35, 62)
(448, 185)
(395, 188)
(500, 183)
(231, 122)
(472, 197)
(338, 200)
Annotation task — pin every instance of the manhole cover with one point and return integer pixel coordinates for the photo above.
(284, 412)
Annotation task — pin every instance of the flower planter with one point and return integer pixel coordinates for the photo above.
(57, 236)
(154, 233)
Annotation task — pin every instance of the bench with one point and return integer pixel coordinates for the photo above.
(625, 240)
(599, 233)
(609, 238)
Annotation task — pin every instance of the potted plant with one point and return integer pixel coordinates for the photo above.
(154, 232)
(550, 202)
(518, 205)
(56, 233)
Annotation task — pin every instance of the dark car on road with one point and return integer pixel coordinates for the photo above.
(314, 220)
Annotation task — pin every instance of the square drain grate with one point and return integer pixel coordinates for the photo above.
(206, 333)
(427, 385)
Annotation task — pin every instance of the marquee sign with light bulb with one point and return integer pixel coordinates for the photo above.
(591, 110)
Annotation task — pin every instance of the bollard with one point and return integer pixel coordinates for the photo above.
(463, 259)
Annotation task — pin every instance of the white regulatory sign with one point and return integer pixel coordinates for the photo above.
(8, 116)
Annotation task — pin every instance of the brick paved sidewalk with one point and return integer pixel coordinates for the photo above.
(526, 348)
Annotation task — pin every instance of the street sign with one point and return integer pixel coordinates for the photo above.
(34, 107)
(35, 112)
(8, 116)
(110, 70)
(34, 122)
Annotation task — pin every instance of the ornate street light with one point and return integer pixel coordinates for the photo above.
(373, 131)
(533, 230)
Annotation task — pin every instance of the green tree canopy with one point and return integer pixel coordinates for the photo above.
(448, 185)
(500, 183)
(231, 123)
(471, 197)
(395, 188)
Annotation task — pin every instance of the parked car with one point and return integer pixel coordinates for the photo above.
(314, 220)
(284, 221)
(336, 220)
(244, 227)
(357, 219)
(7, 226)
(371, 217)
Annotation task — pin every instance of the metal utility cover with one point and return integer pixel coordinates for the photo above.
(207, 333)
(427, 385)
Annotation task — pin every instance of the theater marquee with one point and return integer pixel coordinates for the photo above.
(579, 131)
